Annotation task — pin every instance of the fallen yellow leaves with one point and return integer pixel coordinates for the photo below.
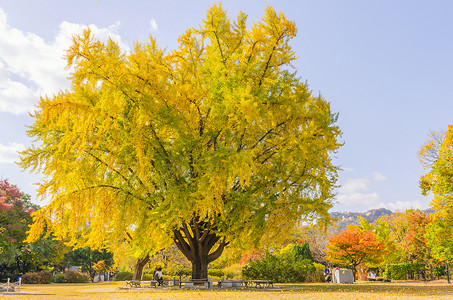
(361, 290)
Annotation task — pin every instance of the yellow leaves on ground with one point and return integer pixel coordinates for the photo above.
(360, 290)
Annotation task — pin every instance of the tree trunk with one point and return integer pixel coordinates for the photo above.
(195, 240)
(141, 263)
(448, 272)
(200, 267)
(354, 271)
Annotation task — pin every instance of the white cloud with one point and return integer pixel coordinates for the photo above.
(15, 96)
(9, 153)
(400, 205)
(30, 67)
(346, 169)
(153, 24)
(355, 185)
(357, 192)
(377, 176)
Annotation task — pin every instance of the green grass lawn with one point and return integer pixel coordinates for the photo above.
(360, 290)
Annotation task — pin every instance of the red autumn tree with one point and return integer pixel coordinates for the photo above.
(8, 192)
(355, 246)
(415, 238)
(406, 236)
(15, 210)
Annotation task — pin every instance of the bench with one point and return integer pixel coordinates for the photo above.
(262, 283)
(133, 283)
(139, 283)
(231, 283)
(10, 287)
(192, 282)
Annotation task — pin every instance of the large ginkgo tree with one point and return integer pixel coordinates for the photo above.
(215, 143)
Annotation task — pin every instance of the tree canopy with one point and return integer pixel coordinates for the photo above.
(356, 245)
(404, 236)
(216, 142)
(437, 157)
(16, 256)
(14, 221)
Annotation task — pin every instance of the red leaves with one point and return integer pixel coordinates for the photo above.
(354, 246)
(9, 192)
(5, 206)
(250, 256)
(415, 238)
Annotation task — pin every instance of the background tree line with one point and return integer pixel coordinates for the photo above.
(18, 257)
(413, 243)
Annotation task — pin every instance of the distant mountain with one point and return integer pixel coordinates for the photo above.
(347, 218)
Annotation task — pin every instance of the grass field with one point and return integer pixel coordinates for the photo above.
(360, 290)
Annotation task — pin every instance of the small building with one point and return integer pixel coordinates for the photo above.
(342, 276)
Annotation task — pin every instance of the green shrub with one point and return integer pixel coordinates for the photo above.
(215, 273)
(59, 278)
(123, 275)
(4, 277)
(302, 251)
(168, 277)
(147, 277)
(148, 271)
(317, 275)
(73, 276)
(285, 267)
(229, 274)
(185, 272)
(37, 278)
(176, 271)
(403, 271)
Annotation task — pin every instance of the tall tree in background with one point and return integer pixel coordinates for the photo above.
(87, 258)
(437, 157)
(14, 220)
(405, 236)
(16, 256)
(354, 246)
(217, 142)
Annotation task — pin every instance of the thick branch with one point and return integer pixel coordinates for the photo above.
(195, 230)
(216, 254)
(213, 239)
(205, 233)
(182, 245)
(190, 239)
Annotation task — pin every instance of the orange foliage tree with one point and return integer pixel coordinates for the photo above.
(354, 246)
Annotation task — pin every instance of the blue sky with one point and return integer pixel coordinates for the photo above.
(385, 66)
